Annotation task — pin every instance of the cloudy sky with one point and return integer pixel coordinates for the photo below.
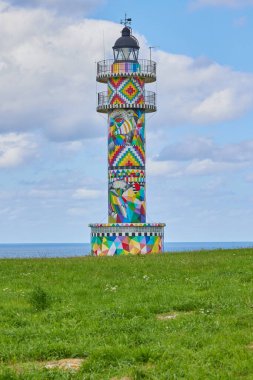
(53, 143)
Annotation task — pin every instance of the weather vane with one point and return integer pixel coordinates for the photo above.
(127, 21)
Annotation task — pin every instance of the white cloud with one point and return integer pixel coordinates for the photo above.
(71, 146)
(44, 193)
(240, 22)
(249, 177)
(196, 167)
(199, 91)
(221, 3)
(208, 166)
(78, 211)
(80, 7)
(87, 194)
(201, 156)
(3, 5)
(203, 148)
(47, 78)
(217, 105)
(15, 149)
(191, 148)
(47, 73)
(160, 168)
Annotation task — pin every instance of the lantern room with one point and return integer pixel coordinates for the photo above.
(126, 47)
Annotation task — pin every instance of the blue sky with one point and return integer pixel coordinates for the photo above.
(53, 143)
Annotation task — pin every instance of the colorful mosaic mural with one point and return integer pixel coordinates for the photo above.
(125, 67)
(99, 225)
(127, 156)
(127, 196)
(126, 166)
(126, 140)
(126, 202)
(127, 174)
(124, 245)
(127, 91)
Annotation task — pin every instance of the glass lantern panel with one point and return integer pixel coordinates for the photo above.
(126, 53)
(135, 54)
(116, 54)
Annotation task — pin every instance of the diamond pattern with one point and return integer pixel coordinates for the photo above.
(124, 245)
(128, 91)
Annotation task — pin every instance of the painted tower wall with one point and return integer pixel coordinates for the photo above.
(126, 148)
(126, 166)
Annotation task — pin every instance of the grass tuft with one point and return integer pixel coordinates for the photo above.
(39, 299)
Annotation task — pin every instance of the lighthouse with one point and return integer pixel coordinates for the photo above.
(126, 102)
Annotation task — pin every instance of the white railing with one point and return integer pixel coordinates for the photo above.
(109, 66)
(149, 99)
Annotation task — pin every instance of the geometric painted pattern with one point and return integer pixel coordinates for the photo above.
(125, 67)
(101, 234)
(126, 138)
(155, 227)
(109, 92)
(127, 174)
(127, 91)
(124, 245)
(127, 127)
(116, 99)
(126, 202)
(127, 156)
(115, 82)
(126, 161)
(126, 195)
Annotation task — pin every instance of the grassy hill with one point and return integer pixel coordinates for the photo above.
(172, 316)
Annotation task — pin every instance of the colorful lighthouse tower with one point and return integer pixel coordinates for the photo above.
(126, 102)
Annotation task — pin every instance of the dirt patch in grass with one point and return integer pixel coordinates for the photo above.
(250, 346)
(62, 364)
(172, 315)
(165, 317)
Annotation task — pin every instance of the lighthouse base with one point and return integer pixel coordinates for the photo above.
(127, 239)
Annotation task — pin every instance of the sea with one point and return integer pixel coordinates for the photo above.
(51, 250)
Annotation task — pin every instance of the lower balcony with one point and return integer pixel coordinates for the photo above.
(147, 103)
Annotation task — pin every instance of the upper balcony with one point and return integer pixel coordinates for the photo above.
(144, 68)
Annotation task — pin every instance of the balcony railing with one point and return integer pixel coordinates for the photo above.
(149, 102)
(103, 99)
(143, 67)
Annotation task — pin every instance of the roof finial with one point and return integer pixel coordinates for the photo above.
(127, 21)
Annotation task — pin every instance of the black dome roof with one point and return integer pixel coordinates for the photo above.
(126, 40)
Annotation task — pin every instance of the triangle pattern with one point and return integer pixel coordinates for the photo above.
(130, 156)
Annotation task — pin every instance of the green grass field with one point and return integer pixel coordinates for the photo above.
(172, 316)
